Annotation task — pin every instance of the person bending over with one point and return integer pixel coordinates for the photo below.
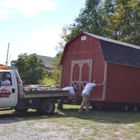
(72, 90)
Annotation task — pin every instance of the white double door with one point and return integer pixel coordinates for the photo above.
(81, 73)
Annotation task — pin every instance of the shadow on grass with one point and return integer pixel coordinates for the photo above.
(104, 116)
(100, 116)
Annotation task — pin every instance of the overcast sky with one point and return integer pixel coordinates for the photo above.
(34, 26)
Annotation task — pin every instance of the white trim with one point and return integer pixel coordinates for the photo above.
(104, 81)
(78, 84)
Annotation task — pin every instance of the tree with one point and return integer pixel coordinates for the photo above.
(89, 18)
(106, 11)
(31, 69)
(57, 71)
(126, 21)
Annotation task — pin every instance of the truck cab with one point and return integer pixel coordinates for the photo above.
(8, 93)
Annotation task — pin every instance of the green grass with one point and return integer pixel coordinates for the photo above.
(110, 125)
(68, 124)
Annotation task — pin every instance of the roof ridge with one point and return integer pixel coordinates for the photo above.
(113, 40)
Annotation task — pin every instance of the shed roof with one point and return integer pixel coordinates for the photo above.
(113, 41)
(116, 51)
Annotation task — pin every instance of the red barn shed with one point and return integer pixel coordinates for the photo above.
(88, 57)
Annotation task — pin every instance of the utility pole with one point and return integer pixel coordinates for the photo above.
(7, 54)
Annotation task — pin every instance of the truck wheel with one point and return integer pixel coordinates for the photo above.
(134, 108)
(125, 108)
(47, 107)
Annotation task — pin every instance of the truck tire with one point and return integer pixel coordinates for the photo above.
(125, 108)
(47, 107)
(134, 108)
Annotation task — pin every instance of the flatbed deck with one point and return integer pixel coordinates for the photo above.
(46, 93)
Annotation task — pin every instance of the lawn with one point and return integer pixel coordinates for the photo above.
(67, 124)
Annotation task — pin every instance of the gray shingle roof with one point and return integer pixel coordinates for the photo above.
(120, 54)
(113, 41)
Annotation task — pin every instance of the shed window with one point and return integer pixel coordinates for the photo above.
(83, 38)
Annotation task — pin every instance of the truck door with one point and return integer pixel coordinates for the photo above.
(81, 72)
(8, 94)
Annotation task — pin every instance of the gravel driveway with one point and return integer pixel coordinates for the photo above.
(31, 126)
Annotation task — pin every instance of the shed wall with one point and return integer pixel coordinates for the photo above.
(123, 83)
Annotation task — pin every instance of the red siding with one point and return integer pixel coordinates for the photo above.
(76, 73)
(82, 50)
(85, 72)
(123, 83)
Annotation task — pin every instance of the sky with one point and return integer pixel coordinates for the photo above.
(34, 26)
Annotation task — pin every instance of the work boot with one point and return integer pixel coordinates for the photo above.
(88, 111)
(80, 112)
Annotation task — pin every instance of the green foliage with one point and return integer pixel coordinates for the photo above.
(126, 21)
(107, 10)
(47, 81)
(31, 69)
(57, 72)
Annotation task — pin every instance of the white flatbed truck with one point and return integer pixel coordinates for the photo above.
(16, 97)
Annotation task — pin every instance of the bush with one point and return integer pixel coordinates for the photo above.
(47, 81)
